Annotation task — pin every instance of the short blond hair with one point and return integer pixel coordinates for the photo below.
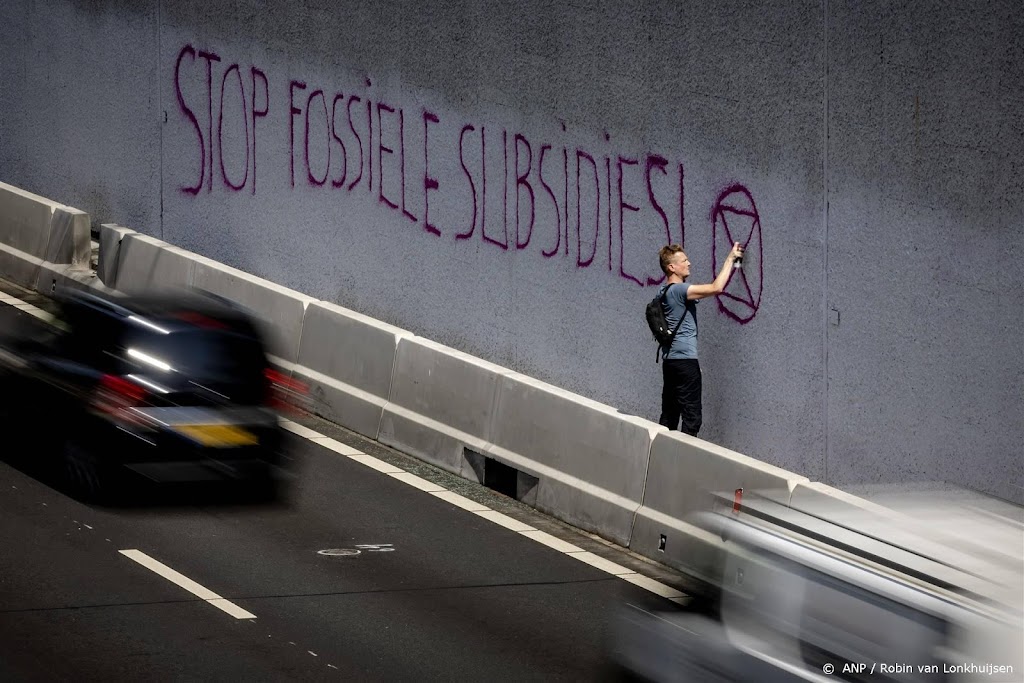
(666, 255)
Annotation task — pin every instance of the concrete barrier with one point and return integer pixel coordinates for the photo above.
(146, 264)
(590, 461)
(70, 241)
(19, 267)
(441, 402)
(347, 360)
(25, 220)
(280, 308)
(110, 247)
(684, 476)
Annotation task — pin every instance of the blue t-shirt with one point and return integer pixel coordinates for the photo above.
(685, 343)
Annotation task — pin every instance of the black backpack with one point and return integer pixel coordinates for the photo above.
(658, 323)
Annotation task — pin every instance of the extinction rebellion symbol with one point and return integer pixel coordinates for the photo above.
(735, 219)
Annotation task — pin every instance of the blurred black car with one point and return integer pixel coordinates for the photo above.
(170, 387)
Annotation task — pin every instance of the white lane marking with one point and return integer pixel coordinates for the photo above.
(650, 584)
(231, 608)
(376, 463)
(336, 446)
(46, 317)
(459, 501)
(26, 307)
(601, 563)
(416, 482)
(550, 541)
(301, 430)
(202, 592)
(504, 520)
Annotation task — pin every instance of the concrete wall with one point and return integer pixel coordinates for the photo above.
(870, 154)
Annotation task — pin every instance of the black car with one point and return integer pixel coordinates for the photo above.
(170, 387)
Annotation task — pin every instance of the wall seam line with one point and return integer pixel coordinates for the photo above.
(825, 217)
(161, 115)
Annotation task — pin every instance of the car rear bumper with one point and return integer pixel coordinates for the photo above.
(180, 445)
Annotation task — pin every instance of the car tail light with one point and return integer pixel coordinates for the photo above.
(115, 395)
(284, 393)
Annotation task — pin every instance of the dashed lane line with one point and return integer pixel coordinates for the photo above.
(201, 592)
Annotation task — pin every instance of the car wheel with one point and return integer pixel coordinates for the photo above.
(87, 477)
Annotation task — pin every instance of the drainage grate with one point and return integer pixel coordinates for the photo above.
(503, 478)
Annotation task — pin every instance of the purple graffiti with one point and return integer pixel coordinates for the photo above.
(736, 205)
(256, 113)
(483, 210)
(313, 180)
(472, 186)
(554, 202)
(608, 174)
(339, 182)
(521, 181)
(565, 168)
(429, 183)
(623, 205)
(646, 200)
(220, 129)
(580, 155)
(215, 110)
(401, 143)
(659, 162)
(682, 219)
(210, 58)
(382, 107)
(359, 140)
(189, 50)
(369, 141)
(291, 124)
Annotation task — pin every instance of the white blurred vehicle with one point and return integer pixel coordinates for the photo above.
(844, 593)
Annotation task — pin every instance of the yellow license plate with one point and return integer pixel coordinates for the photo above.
(219, 436)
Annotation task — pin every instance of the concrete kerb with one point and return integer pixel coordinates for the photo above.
(684, 474)
(347, 359)
(441, 403)
(591, 462)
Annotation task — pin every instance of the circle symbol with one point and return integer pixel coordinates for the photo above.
(828, 668)
(735, 219)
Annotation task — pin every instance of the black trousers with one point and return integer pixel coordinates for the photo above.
(680, 395)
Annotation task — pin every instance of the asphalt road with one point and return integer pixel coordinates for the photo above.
(435, 592)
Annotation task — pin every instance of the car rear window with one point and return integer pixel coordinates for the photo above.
(211, 354)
